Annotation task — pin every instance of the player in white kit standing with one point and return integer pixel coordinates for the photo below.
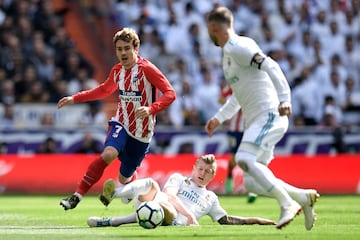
(261, 90)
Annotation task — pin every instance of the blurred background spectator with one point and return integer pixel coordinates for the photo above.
(94, 116)
(48, 146)
(7, 119)
(47, 120)
(89, 145)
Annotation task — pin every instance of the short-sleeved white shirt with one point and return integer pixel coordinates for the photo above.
(198, 200)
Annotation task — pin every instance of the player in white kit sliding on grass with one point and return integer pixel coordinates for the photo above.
(184, 199)
(261, 91)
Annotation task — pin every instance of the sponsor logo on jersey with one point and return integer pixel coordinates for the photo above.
(130, 96)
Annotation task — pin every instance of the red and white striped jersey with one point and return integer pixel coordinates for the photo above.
(136, 87)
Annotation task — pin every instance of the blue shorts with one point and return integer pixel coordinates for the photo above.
(131, 151)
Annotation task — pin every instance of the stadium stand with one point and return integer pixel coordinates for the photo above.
(45, 44)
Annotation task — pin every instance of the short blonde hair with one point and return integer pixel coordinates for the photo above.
(221, 15)
(128, 35)
(208, 159)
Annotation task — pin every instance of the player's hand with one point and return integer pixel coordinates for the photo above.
(284, 109)
(211, 125)
(191, 220)
(142, 112)
(65, 101)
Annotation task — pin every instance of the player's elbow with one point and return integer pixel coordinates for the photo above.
(224, 220)
(173, 95)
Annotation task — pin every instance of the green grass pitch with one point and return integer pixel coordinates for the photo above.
(41, 217)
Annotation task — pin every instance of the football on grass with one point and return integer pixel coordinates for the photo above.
(150, 214)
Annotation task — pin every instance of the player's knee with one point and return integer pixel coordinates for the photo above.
(245, 160)
(109, 154)
(154, 184)
(243, 166)
(124, 180)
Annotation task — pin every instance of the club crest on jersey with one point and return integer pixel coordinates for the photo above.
(258, 59)
(136, 80)
(207, 197)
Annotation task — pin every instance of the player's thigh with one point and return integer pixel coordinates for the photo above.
(266, 131)
(152, 194)
(132, 156)
(116, 136)
(261, 137)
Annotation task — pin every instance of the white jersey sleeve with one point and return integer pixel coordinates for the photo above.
(228, 110)
(282, 87)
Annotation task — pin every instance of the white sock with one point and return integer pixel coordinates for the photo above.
(276, 190)
(295, 193)
(252, 186)
(135, 188)
(78, 195)
(117, 221)
(264, 177)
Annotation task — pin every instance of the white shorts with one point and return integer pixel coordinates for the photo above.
(261, 136)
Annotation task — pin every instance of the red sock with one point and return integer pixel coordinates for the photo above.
(92, 175)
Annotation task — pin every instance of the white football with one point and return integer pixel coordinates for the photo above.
(150, 214)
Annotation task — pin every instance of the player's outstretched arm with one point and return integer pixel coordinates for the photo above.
(236, 220)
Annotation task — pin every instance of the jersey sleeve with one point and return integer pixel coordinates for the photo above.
(278, 78)
(243, 52)
(216, 212)
(228, 110)
(101, 91)
(161, 83)
(174, 181)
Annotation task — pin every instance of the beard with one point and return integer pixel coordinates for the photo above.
(214, 40)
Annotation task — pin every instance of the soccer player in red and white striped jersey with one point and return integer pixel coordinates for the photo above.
(137, 82)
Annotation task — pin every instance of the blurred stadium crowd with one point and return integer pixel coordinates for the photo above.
(316, 43)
